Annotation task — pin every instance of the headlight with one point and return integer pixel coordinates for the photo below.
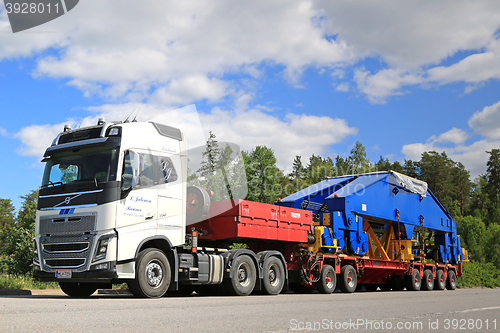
(35, 253)
(101, 249)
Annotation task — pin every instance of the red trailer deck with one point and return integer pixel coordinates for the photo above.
(253, 220)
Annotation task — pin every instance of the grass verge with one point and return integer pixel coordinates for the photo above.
(25, 282)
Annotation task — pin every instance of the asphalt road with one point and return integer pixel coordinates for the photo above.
(468, 310)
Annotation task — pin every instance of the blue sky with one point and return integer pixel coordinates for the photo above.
(302, 77)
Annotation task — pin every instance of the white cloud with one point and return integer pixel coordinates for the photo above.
(473, 156)
(387, 82)
(408, 34)
(191, 88)
(3, 131)
(117, 48)
(248, 128)
(342, 87)
(455, 135)
(487, 121)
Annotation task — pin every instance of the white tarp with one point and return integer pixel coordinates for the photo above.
(410, 184)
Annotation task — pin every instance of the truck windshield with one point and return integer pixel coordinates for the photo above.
(94, 164)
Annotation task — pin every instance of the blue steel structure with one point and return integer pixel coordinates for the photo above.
(349, 206)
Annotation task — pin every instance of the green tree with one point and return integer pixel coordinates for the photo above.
(18, 239)
(473, 236)
(7, 213)
(358, 160)
(410, 168)
(262, 174)
(492, 187)
(383, 164)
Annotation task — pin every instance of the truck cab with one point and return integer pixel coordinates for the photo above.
(108, 192)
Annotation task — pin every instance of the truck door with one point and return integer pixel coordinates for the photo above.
(140, 196)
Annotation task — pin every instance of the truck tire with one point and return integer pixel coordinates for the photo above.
(439, 282)
(328, 281)
(273, 276)
(152, 274)
(348, 279)
(414, 281)
(428, 282)
(244, 276)
(76, 289)
(451, 282)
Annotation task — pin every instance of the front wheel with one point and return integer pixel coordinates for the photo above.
(152, 275)
(328, 281)
(77, 289)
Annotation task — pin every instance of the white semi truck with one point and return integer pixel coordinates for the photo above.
(112, 209)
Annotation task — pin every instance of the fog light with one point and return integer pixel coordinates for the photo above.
(101, 266)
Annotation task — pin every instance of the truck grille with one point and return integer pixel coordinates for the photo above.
(65, 247)
(64, 263)
(69, 252)
(67, 225)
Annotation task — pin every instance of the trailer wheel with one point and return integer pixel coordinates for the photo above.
(348, 279)
(451, 282)
(76, 289)
(244, 276)
(273, 276)
(414, 281)
(152, 274)
(440, 282)
(428, 280)
(328, 281)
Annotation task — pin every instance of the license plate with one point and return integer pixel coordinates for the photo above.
(63, 274)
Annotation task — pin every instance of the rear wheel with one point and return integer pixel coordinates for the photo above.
(440, 282)
(451, 282)
(152, 276)
(348, 279)
(328, 281)
(428, 282)
(414, 281)
(77, 289)
(274, 276)
(244, 276)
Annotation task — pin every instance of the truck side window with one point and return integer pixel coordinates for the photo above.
(167, 171)
(146, 170)
(128, 171)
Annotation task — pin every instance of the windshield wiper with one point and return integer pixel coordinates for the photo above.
(52, 184)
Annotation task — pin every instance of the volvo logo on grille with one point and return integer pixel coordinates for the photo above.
(67, 200)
